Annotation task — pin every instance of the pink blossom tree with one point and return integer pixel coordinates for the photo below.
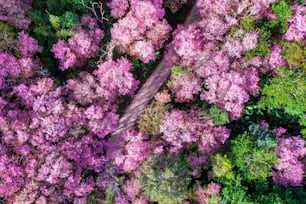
(290, 169)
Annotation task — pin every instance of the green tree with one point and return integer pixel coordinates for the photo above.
(7, 37)
(263, 138)
(254, 163)
(286, 91)
(235, 193)
(165, 179)
(223, 169)
(282, 10)
(150, 119)
(295, 54)
(219, 117)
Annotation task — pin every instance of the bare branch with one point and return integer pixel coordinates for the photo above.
(94, 6)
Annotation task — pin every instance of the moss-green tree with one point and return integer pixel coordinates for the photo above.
(220, 117)
(295, 54)
(165, 179)
(150, 119)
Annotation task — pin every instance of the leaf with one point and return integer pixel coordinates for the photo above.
(55, 21)
(64, 33)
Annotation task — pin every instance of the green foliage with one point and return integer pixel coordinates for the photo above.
(283, 12)
(287, 91)
(59, 15)
(55, 21)
(142, 70)
(223, 169)
(175, 72)
(263, 47)
(263, 138)
(247, 23)
(235, 193)
(58, 7)
(165, 179)
(220, 117)
(93, 198)
(109, 196)
(253, 163)
(290, 195)
(65, 21)
(42, 28)
(64, 33)
(7, 37)
(150, 119)
(268, 199)
(69, 19)
(295, 54)
(233, 31)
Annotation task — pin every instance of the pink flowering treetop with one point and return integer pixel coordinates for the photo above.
(27, 45)
(14, 12)
(290, 169)
(187, 43)
(296, 24)
(203, 194)
(141, 30)
(55, 141)
(185, 86)
(8, 66)
(81, 46)
(136, 149)
(118, 8)
(275, 58)
(115, 79)
(21, 66)
(180, 129)
(227, 91)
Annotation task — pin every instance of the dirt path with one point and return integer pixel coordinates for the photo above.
(151, 86)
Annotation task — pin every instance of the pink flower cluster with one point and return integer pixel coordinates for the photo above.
(141, 30)
(163, 97)
(187, 43)
(81, 46)
(229, 77)
(137, 149)
(275, 58)
(235, 48)
(228, 90)
(180, 129)
(52, 136)
(118, 8)
(12, 67)
(14, 12)
(185, 86)
(115, 79)
(27, 45)
(110, 80)
(55, 142)
(297, 24)
(230, 8)
(203, 194)
(290, 168)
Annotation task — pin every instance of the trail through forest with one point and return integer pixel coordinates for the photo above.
(151, 86)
